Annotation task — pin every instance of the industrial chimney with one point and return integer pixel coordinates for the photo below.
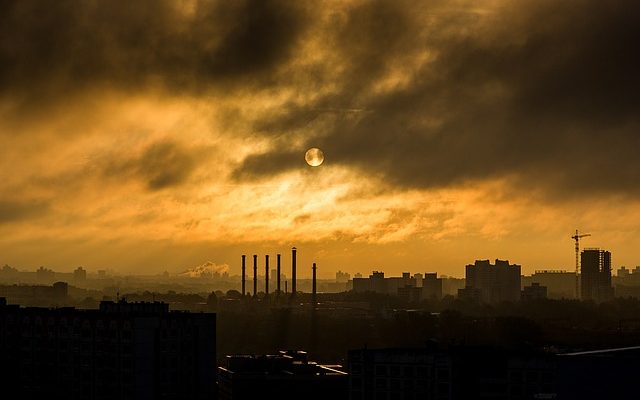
(278, 277)
(266, 274)
(255, 275)
(293, 271)
(243, 272)
(313, 287)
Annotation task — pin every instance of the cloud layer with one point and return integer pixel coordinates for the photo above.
(541, 91)
(186, 122)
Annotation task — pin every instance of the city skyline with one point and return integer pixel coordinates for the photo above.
(162, 135)
(210, 270)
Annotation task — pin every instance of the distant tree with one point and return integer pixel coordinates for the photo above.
(233, 294)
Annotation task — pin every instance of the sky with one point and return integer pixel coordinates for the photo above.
(160, 135)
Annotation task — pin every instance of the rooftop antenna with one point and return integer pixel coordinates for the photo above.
(577, 238)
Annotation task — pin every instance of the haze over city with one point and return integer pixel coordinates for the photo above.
(159, 135)
(336, 199)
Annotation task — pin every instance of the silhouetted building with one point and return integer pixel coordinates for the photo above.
(121, 351)
(534, 292)
(450, 373)
(376, 282)
(79, 274)
(288, 375)
(410, 294)
(45, 275)
(431, 286)
(342, 276)
(451, 285)
(627, 282)
(595, 275)
(599, 374)
(623, 272)
(398, 374)
(497, 282)
(36, 295)
(560, 284)
(470, 294)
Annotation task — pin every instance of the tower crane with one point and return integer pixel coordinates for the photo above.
(577, 238)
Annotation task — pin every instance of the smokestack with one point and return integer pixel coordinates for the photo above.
(243, 272)
(278, 277)
(313, 287)
(293, 271)
(266, 274)
(255, 275)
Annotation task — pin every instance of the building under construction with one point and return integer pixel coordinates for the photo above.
(595, 277)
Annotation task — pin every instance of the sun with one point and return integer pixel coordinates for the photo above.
(314, 157)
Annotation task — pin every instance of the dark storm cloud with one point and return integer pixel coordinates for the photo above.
(161, 165)
(268, 163)
(543, 92)
(14, 211)
(54, 48)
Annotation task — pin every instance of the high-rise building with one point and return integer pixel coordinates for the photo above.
(79, 274)
(595, 275)
(496, 282)
(431, 286)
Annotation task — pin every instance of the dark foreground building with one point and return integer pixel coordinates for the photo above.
(455, 373)
(466, 372)
(121, 351)
(284, 376)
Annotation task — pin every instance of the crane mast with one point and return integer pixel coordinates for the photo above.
(577, 238)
